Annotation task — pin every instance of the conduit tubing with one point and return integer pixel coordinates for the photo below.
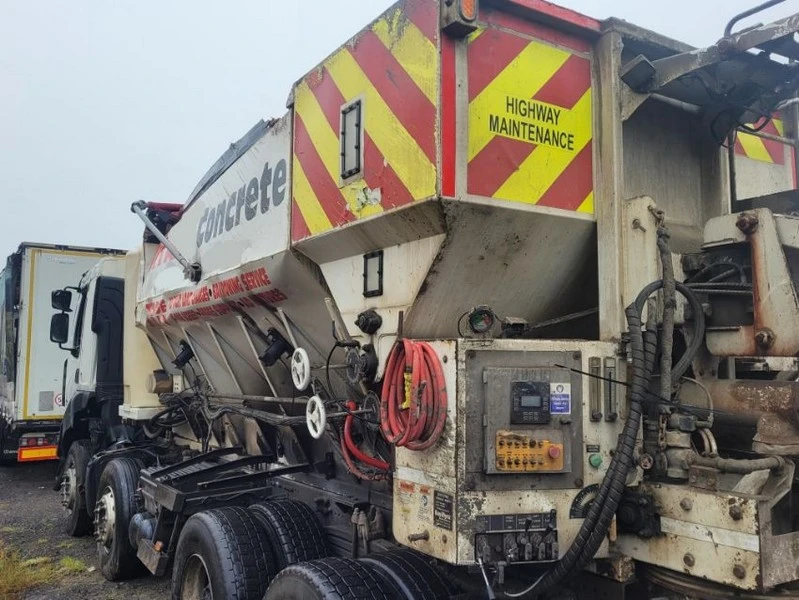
(597, 522)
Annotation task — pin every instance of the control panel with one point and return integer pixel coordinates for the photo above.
(529, 421)
(529, 402)
(517, 539)
(529, 451)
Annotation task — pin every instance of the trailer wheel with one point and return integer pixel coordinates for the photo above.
(223, 554)
(113, 510)
(332, 579)
(294, 530)
(76, 520)
(413, 574)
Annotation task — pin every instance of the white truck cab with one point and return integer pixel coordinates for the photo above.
(89, 325)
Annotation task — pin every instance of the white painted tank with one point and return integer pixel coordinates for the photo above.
(399, 182)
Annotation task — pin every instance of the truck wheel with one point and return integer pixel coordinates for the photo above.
(294, 531)
(113, 510)
(76, 521)
(331, 579)
(413, 574)
(222, 554)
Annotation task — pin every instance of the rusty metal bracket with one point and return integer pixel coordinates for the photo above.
(704, 478)
(645, 77)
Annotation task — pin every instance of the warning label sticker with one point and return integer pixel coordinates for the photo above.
(405, 491)
(560, 398)
(425, 511)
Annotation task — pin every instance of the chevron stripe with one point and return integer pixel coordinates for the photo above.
(531, 181)
(392, 68)
(414, 52)
(396, 144)
(543, 157)
(761, 149)
(517, 78)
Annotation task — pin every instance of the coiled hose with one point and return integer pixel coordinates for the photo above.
(413, 405)
(643, 348)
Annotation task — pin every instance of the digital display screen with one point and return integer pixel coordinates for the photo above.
(530, 402)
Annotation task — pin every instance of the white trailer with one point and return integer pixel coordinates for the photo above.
(31, 381)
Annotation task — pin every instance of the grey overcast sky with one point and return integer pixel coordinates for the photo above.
(103, 102)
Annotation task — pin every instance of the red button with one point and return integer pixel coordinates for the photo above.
(554, 452)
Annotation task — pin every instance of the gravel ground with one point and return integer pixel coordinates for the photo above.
(30, 514)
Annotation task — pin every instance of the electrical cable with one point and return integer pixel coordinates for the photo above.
(593, 529)
(413, 405)
(460, 322)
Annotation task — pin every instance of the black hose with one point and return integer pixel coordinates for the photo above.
(698, 314)
(591, 532)
(698, 277)
(600, 515)
(623, 459)
(749, 13)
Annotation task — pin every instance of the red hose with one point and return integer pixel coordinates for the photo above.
(413, 418)
(352, 447)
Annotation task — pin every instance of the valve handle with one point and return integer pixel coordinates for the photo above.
(315, 417)
(300, 369)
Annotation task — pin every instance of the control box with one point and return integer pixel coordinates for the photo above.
(529, 420)
(529, 435)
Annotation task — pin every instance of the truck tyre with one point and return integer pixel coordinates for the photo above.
(113, 510)
(294, 531)
(332, 579)
(413, 574)
(76, 520)
(222, 554)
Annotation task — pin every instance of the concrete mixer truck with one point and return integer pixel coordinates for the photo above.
(505, 305)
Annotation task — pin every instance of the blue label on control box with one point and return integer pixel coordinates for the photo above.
(560, 398)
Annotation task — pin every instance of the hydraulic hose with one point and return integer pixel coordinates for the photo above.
(413, 405)
(600, 515)
(352, 448)
(352, 468)
(592, 531)
(698, 314)
(738, 466)
(639, 387)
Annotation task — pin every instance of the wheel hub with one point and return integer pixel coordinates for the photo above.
(69, 488)
(196, 584)
(105, 518)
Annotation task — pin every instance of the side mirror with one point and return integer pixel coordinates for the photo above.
(59, 328)
(61, 300)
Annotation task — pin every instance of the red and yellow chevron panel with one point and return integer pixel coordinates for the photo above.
(761, 149)
(392, 67)
(530, 122)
